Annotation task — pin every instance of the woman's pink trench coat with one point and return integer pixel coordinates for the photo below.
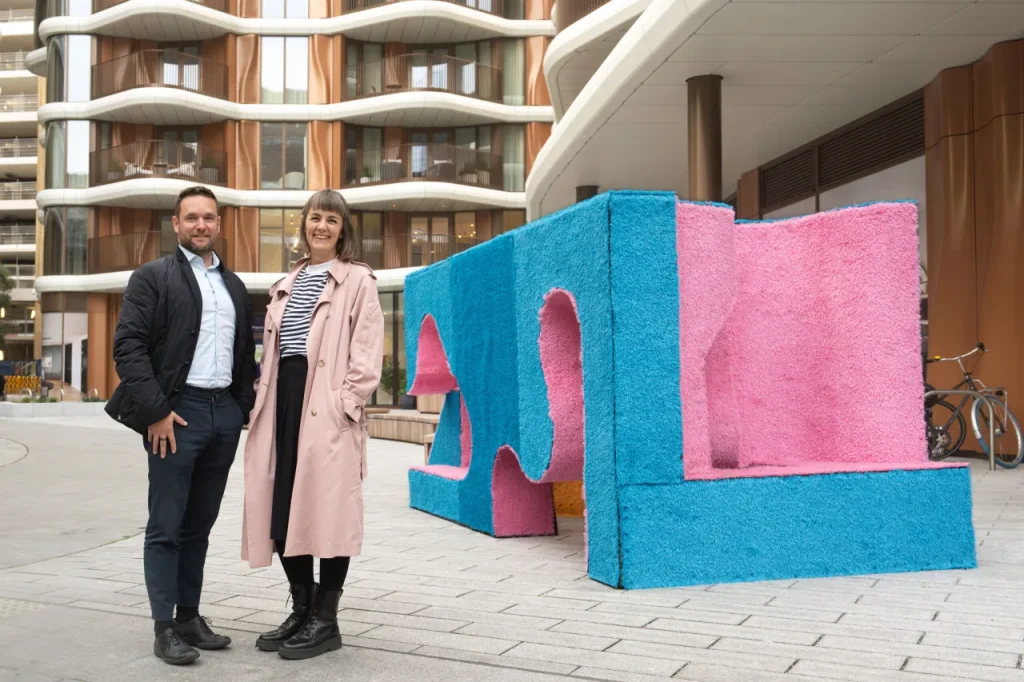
(345, 352)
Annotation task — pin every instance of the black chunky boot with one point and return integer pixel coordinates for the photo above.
(303, 598)
(320, 632)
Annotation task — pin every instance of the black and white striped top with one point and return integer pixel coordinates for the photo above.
(298, 313)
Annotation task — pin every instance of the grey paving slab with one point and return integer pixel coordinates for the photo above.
(433, 600)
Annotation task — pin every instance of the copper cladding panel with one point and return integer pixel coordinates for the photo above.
(536, 135)
(999, 239)
(538, 9)
(536, 86)
(247, 155)
(322, 60)
(748, 196)
(952, 290)
(947, 105)
(319, 155)
(99, 356)
(247, 69)
(319, 9)
(249, 8)
(246, 244)
(999, 83)
(337, 154)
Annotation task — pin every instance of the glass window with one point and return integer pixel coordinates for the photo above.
(465, 227)
(371, 236)
(351, 71)
(56, 155)
(53, 242)
(514, 151)
(515, 9)
(513, 72)
(79, 68)
(78, 154)
(283, 156)
(105, 134)
(419, 227)
(76, 236)
(388, 378)
(279, 239)
(284, 70)
(55, 69)
(279, 9)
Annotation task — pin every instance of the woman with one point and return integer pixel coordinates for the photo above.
(305, 456)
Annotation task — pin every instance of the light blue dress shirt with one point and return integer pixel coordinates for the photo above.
(215, 350)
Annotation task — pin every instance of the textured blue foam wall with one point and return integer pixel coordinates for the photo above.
(645, 298)
(447, 448)
(484, 358)
(569, 251)
(703, 532)
(427, 291)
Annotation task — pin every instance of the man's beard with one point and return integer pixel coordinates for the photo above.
(187, 242)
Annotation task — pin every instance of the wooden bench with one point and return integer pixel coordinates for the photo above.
(428, 442)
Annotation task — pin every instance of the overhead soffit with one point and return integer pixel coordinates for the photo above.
(792, 71)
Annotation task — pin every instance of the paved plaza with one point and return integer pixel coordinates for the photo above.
(430, 600)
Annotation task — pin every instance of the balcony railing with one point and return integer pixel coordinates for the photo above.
(568, 12)
(147, 159)
(14, 103)
(18, 147)
(160, 69)
(17, 15)
(128, 251)
(18, 233)
(16, 191)
(423, 163)
(495, 7)
(427, 72)
(405, 251)
(12, 61)
(219, 5)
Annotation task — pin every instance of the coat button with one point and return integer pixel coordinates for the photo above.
(313, 411)
(320, 364)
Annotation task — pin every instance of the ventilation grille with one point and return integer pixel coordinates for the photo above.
(787, 181)
(880, 142)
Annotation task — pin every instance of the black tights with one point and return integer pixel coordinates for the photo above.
(299, 569)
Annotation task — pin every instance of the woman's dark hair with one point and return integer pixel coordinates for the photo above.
(329, 201)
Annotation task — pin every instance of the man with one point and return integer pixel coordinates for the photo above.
(184, 351)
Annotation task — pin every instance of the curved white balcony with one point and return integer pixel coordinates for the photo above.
(255, 282)
(35, 62)
(166, 106)
(414, 21)
(160, 193)
(580, 48)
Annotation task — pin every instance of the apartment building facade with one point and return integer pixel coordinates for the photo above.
(18, 161)
(426, 114)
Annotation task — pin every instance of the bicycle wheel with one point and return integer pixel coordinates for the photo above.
(946, 430)
(1009, 446)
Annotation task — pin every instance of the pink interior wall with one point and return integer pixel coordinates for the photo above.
(433, 373)
(561, 360)
(800, 343)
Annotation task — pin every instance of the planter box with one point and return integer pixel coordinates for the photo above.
(65, 409)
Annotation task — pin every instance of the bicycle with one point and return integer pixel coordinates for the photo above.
(945, 439)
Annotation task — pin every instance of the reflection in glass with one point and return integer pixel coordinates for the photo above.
(79, 68)
(514, 156)
(56, 155)
(78, 154)
(53, 242)
(272, 70)
(76, 236)
(296, 70)
(418, 246)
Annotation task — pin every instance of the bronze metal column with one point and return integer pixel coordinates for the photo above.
(704, 143)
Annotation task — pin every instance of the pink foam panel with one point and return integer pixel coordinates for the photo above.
(433, 373)
(561, 360)
(520, 506)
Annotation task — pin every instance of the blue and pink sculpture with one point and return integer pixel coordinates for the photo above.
(742, 400)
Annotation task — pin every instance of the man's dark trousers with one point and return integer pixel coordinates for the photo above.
(185, 492)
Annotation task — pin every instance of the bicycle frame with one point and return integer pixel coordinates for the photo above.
(991, 421)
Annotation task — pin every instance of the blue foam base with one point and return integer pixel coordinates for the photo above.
(434, 495)
(732, 530)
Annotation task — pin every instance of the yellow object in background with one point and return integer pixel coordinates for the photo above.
(568, 498)
(15, 384)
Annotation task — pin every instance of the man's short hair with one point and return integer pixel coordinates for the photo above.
(194, 191)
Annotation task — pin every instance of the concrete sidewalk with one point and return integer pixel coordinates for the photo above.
(432, 600)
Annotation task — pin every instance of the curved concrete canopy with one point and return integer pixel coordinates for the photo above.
(792, 72)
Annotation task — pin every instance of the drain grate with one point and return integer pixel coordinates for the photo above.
(16, 607)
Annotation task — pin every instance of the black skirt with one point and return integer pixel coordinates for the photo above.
(291, 389)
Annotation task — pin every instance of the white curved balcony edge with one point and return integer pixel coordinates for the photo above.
(115, 20)
(575, 38)
(645, 46)
(159, 104)
(35, 62)
(161, 193)
(255, 282)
